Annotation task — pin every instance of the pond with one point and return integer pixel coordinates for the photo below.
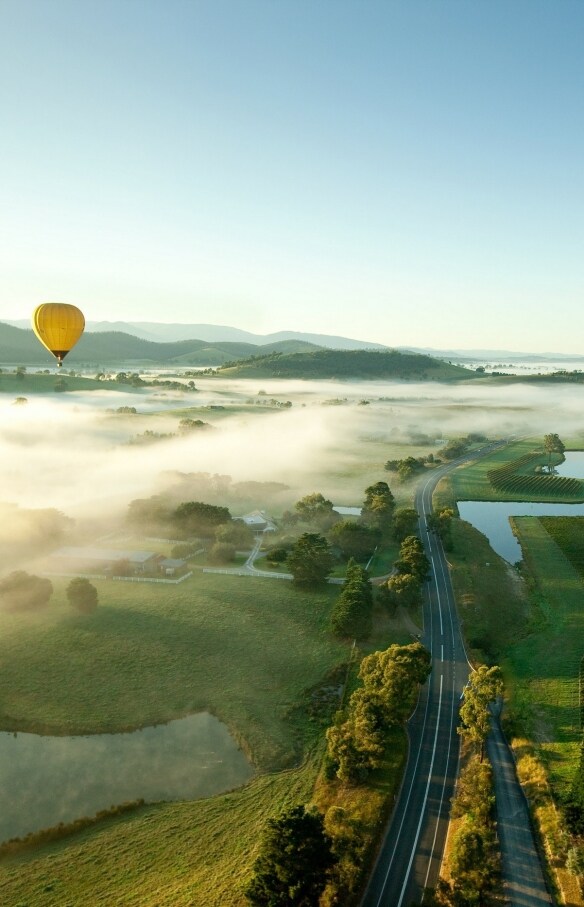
(59, 779)
(492, 517)
(573, 465)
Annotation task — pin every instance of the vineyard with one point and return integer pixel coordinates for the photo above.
(510, 479)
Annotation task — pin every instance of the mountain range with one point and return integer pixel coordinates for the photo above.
(200, 345)
(157, 332)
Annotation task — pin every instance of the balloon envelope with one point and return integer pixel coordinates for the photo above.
(58, 326)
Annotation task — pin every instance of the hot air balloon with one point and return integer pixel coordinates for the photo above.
(58, 326)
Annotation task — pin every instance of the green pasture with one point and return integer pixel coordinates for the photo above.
(543, 667)
(38, 383)
(490, 595)
(242, 647)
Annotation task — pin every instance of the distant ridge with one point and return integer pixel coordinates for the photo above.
(20, 347)
(158, 332)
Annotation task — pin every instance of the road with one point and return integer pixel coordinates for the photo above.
(522, 875)
(411, 853)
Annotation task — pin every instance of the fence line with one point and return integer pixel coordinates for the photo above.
(124, 579)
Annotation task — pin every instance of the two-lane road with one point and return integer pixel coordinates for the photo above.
(411, 854)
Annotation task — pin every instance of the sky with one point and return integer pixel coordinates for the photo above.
(408, 172)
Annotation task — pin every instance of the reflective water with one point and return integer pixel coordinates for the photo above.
(59, 779)
(492, 517)
(573, 465)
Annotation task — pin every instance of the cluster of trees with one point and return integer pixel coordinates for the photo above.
(352, 614)
(474, 853)
(297, 856)
(390, 680)
(310, 560)
(134, 380)
(440, 522)
(404, 586)
(294, 863)
(485, 685)
(409, 467)
(185, 427)
(188, 519)
(22, 591)
(552, 444)
(456, 447)
(312, 557)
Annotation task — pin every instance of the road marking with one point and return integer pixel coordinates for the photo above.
(423, 810)
(437, 595)
(406, 804)
(442, 653)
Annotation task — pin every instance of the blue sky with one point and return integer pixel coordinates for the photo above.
(408, 172)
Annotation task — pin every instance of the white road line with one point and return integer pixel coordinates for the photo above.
(441, 653)
(423, 810)
(405, 809)
(438, 596)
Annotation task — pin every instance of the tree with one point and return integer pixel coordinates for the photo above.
(354, 539)
(473, 861)
(315, 509)
(82, 595)
(196, 518)
(392, 677)
(351, 615)
(235, 533)
(187, 426)
(22, 591)
(484, 686)
(552, 444)
(412, 558)
(222, 553)
(405, 521)
(378, 506)
(310, 561)
(404, 589)
(408, 468)
(295, 859)
(440, 522)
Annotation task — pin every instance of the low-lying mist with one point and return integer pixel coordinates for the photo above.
(73, 453)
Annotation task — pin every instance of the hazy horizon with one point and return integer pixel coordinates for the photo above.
(407, 173)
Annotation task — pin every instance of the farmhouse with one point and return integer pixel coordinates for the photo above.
(258, 521)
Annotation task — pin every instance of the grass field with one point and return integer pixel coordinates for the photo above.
(38, 383)
(196, 853)
(151, 653)
(543, 668)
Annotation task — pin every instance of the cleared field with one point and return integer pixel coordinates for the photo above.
(241, 647)
(543, 668)
(568, 533)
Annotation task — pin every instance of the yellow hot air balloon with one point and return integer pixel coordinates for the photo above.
(58, 326)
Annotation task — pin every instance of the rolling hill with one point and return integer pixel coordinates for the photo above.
(347, 364)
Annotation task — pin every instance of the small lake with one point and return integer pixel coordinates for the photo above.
(573, 465)
(59, 779)
(492, 517)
